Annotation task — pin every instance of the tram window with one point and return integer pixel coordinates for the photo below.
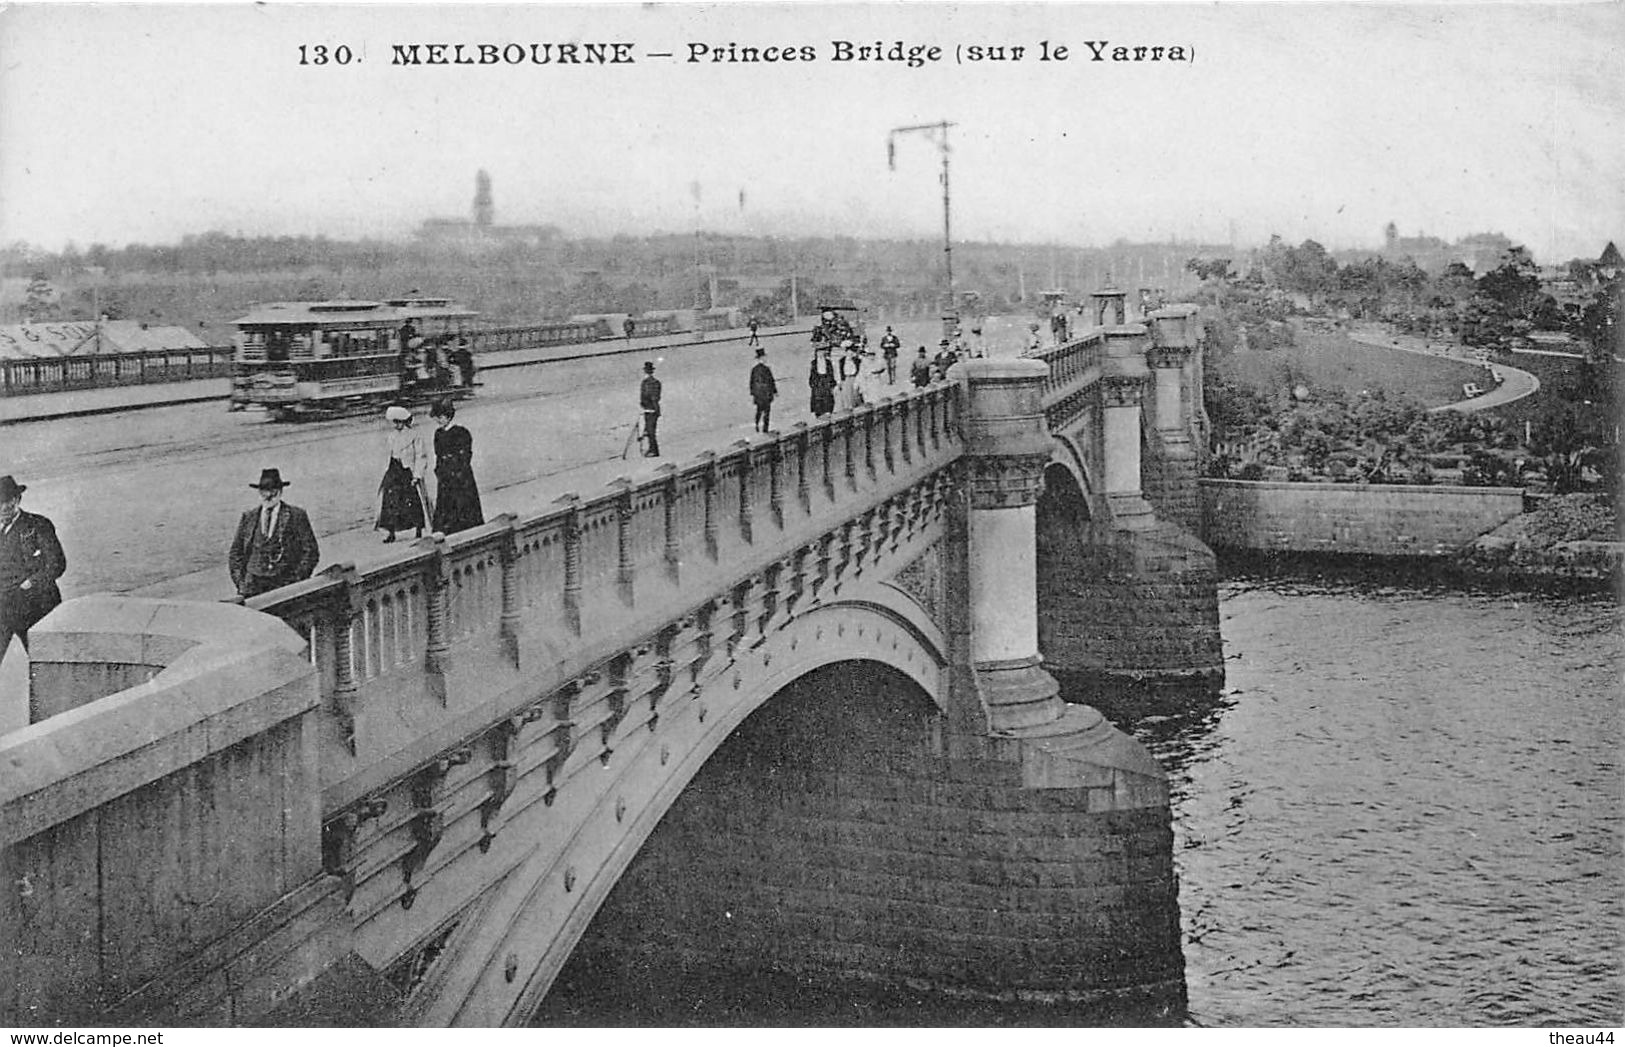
(253, 345)
(300, 346)
(276, 346)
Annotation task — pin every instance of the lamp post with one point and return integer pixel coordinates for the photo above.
(938, 133)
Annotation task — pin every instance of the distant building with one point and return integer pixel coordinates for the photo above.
(481, 233)
(1586, 275)
(1610, 264)
(86, 337)
(1479, 252)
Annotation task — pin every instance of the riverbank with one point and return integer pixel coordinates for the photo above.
(1566, 544)
(1567, 537)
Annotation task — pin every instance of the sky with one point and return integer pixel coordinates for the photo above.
(142, 123)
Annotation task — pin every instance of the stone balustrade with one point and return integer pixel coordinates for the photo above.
(400, 648)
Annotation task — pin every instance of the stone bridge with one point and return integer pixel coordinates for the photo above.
(402, 795)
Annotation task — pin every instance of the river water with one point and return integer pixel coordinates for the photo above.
(1405, 810)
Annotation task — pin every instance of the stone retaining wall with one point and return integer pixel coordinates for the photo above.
(1364, 519)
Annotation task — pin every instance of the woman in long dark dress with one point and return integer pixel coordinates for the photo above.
(821, 379)
(402, 496)
(457, 499)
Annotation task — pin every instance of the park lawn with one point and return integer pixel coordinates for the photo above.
(1559, 385)
(1329, 361)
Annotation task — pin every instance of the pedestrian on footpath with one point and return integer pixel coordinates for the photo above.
(851, 366)
(456, 497)
(920, 372)
(31, 560)
(274, 544)
(462, 358)
(889, 345)
(628, 326)
(821, 380)
(403, 493)
(754, 340)
(649, 400)
(763, 389)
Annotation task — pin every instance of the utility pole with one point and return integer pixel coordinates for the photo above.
(938, 133)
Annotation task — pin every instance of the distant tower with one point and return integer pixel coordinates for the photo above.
(482, 200)
(1390, 236)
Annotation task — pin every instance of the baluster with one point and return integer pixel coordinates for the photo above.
(827, 438)
(346, 610)
(886, 411)
(803, 490)
(775, 481)
(851, 460)
(712, 477)
(624, 570)
(746, 510)
(920, 409)
(572, 560)
(868, 414)
(508, 550)
(668, 505)
(438, 587)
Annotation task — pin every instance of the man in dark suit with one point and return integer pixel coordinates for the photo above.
(649, 400)
(31, 561)
(763, 388)
(274, 545)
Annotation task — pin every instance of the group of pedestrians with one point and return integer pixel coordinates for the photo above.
(835, 384)
(403, 493)
(275, 545)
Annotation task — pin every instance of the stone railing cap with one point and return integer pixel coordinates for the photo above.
(978, 370)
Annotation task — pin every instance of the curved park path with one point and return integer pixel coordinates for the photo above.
(1515, 384)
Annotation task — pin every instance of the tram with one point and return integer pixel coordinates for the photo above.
(300, 359)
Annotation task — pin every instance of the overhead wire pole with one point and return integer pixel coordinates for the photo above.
(938, 132)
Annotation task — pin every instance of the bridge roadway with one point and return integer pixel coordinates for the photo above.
(146, 502)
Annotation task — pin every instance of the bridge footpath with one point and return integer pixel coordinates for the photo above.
(410, 783)
(39, 407)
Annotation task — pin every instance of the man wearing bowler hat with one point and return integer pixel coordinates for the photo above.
(31, 561)
(649, 400)
(274, 545)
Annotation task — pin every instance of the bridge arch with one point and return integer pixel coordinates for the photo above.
(793, 819)
(499, 965)
(1067, 493)
(1071, 460)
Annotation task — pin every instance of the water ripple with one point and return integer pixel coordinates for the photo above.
(1405, 811)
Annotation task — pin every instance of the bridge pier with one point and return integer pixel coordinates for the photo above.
(1128, 600)
(1171, 471)
(1006, 447)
